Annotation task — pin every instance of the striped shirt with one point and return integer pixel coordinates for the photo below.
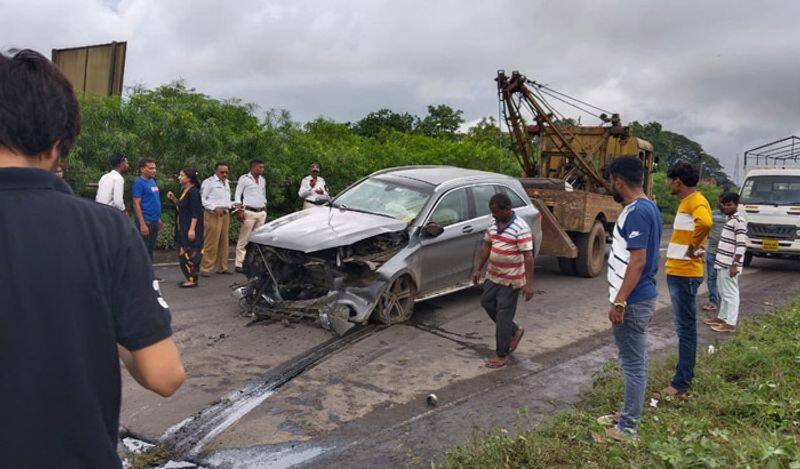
(692, 224)
(506, 260)
(732, 242)
(639, 226)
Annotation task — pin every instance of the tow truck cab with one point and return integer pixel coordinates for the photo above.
(770, 199)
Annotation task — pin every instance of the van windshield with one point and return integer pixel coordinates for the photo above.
(772, 190)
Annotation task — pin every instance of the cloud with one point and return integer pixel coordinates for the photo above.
(724, 73)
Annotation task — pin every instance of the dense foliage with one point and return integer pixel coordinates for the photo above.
(180, 127)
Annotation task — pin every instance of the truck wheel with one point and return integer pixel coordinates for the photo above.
(748, 258)
(591, 251)
(567, 266)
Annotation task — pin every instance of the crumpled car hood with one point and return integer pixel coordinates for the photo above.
(320, 228)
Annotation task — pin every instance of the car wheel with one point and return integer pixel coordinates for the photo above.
(396, 303)
(591, 251)
(748, 258)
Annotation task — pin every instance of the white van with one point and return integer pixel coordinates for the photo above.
(771, 201)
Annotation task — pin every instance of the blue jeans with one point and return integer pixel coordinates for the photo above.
(150, 240)
(711, 275)
(683, 292)
(631, 339)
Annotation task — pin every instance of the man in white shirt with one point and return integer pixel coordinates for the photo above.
(251, 199)
(312, 188)
(215, 193)
(111, 186)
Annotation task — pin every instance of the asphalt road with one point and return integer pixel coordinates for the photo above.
(363, 404)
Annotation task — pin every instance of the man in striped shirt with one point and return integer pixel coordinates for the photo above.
(508, 248)
(728, 263)
(685, 268)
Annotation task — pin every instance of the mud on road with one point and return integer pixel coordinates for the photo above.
(267, 395)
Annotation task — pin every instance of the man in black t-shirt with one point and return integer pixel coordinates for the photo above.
(77, 291)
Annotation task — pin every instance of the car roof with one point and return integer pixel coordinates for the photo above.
(439, 175)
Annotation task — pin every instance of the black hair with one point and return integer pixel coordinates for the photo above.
(255, 162)
(145, 161)
(192, 174)
(685, 173)
(37, 105)
(729, 197)
(628, 168)
(216, 166)
(501, 201)
(116, 159)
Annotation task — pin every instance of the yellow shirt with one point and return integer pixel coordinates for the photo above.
(692, 224)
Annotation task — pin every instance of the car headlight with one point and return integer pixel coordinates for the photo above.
(798, 233)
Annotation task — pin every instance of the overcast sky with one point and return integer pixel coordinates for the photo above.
(725, 73)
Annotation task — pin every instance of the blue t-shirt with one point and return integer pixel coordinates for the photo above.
(639, 226)
(147, 190)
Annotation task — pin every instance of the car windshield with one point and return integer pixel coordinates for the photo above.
(772, 190)
(385, 197)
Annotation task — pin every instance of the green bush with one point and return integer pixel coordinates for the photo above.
(177, 127)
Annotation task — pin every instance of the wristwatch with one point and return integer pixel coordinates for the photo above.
(620, 306)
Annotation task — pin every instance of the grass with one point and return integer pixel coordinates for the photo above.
(745, 412)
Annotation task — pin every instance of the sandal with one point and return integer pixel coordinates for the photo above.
(496, 362)
(712, 321)
(187, 285)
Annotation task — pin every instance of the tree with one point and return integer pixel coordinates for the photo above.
(385, 119)
(442, 121)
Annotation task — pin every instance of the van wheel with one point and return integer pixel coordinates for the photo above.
(396, 303)
(591, 251)
(748, 258)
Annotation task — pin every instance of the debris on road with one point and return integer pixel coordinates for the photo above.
(432, 400)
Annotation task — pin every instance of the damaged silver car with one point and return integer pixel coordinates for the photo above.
(396, 237)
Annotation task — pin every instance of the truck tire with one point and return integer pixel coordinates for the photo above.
(567, 266)
(748, 258)
(591, 251)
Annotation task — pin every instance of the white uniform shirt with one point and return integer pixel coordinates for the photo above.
(309, 193)
(110, 190)
(215, 193)
(251, 193)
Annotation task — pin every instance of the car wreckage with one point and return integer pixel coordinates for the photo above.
(396, 237)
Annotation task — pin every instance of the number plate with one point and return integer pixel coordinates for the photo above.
(770, 245)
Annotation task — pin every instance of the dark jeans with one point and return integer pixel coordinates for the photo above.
(501, 304)
(683, 293)
(149, 240)
(631, 339)
(711, 275)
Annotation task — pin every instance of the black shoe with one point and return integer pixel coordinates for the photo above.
(239, 270)
(225, 272)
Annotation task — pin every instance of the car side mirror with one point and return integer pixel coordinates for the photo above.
(433, 229)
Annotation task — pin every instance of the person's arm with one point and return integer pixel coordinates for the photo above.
(102, 190)
(305, 189)
(157, 367)
(137, 209)
(486, 250)
(119, 189)
(205, 195)
(702, 226)
(740, 235)
(633, 274)
(527, 290)
(323, 186)
(142, 319)
(237, 198)
(196, 210)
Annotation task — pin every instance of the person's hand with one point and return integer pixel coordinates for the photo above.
(695, 253)
(191, 235)
(527, 291)
(312, 182)
(171, 197)
(476, 277)
(319, 191)
(219, 211)
(733, 270)
(144, 229)
(616, 317)
(160, 225)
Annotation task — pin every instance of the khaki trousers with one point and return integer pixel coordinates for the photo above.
(215, 242)
(252, 220)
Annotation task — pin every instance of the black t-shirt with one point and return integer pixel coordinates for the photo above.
(75, 280)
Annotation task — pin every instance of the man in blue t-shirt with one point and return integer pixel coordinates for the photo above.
(147, 204)
(632, 268)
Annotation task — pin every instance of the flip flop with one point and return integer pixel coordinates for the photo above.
(495, 363)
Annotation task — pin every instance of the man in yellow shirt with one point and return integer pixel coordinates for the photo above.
(685, 268)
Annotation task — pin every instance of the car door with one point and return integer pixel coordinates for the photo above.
(481, 194)
(446, 260)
